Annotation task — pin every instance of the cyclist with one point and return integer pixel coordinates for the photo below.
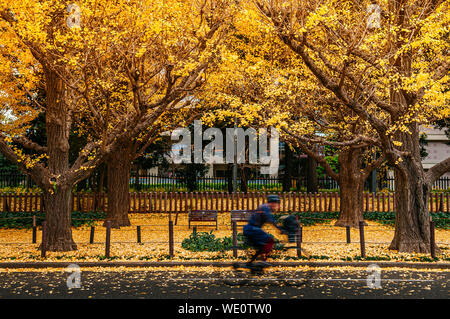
(258, 238)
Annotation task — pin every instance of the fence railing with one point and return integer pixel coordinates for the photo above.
(179, 202)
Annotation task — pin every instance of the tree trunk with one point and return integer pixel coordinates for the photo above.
(351, 185)
(118, 184)
(300, 175)
(312, 184)
(99, 187)
(230, 178)
(57, 194)
(101, 178)
(244, 179)
(412, 218)
(137, 182)
(58, 217)
(287, 173)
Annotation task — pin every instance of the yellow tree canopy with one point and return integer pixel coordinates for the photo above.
(386, 61)
(261, 81)
(121, 65)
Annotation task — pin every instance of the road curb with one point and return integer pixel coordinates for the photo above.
(112, 264)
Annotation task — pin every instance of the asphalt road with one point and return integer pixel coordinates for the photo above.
(225, 284)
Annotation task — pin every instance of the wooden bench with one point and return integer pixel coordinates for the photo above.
(241, 215)
(203, 216)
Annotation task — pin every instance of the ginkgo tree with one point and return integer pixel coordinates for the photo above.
(263, 83)
(119, 163)
(115, 68)
(392, 73)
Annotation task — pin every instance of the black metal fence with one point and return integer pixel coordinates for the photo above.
(168, 183)
(13, 179)
(180, 183)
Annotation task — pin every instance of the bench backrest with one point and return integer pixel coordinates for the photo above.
(241, 215)
(200, 215)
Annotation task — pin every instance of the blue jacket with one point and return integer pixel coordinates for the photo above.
(262, 216)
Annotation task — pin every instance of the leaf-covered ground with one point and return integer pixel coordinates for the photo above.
(321, 242)
(222, 283)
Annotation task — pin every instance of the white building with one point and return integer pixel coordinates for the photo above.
(437, 148)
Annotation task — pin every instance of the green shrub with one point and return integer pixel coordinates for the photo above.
(204, 241)
(25, 220)
(441, 219)
(308, 219)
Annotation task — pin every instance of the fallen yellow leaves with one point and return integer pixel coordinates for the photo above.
(320, 243)
(212, 269)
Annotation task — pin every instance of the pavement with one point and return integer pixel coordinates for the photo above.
(225, 283)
